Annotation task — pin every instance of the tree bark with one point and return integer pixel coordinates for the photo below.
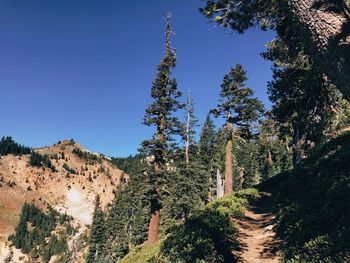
(229, 167)
(326, 25)
(153, 229)
(159, 166)
(219, 185)
(298, 146)
(269, 158)
(241, 177)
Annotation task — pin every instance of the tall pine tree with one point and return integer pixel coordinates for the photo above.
(160, 114)
(209, 153)
(188, 187)
(207, 141)
(98, 233)
(240, 110)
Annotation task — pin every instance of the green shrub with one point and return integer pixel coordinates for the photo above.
(144, 253)
(251, 194)
(210, 235)
(69, 169)
(229, 205)
(85, 155)
(313, 206)
(41, 160)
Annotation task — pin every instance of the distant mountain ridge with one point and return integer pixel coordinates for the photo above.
(64, 176)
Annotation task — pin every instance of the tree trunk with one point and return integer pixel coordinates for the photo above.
(153, 229)
(269, 158)
(241, 177)
(159, 166)
(219, 185)
(229, 167)
(326, 25)
(257, 178)
(298, 146)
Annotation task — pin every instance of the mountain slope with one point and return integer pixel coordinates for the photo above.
(69, 184)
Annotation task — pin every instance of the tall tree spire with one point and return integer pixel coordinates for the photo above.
(160, 114)
(168, 32)
(190, 123)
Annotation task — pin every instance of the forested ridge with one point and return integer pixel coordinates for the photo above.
(283, 170)
(9, 146)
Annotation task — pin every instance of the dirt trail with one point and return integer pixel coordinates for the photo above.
(256, 234)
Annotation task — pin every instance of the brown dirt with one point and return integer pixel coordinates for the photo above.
(11, 202)
(257, 237)
(66, 192)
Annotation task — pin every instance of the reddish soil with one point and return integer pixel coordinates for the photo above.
(257, 237)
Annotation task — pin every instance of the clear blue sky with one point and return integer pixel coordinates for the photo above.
(83, 69)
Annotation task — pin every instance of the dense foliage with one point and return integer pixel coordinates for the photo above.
(307, 111)
(70, 170)
(35, 227)
(9, 146)
(85, 155)
(128, 215)
(305, 104)
(41, 160)
(208, 236)
(313, 205)
(98, 234)
(127, 164)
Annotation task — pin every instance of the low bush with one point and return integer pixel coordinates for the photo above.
(313, 206)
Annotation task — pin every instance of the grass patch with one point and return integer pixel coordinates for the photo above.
(143, 253)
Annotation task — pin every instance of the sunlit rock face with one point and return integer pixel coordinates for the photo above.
(78, 205)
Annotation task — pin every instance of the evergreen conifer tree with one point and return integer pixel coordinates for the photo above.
(240, 111)
(304, 102)
(160, 114)
(98, 233)
(188, 186)
(188, 192)
(9, 146)
(310, 23)
(273, 149)
(208, 153)
(128, 216)
(207, 141)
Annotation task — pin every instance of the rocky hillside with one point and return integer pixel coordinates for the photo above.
(65, 176)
